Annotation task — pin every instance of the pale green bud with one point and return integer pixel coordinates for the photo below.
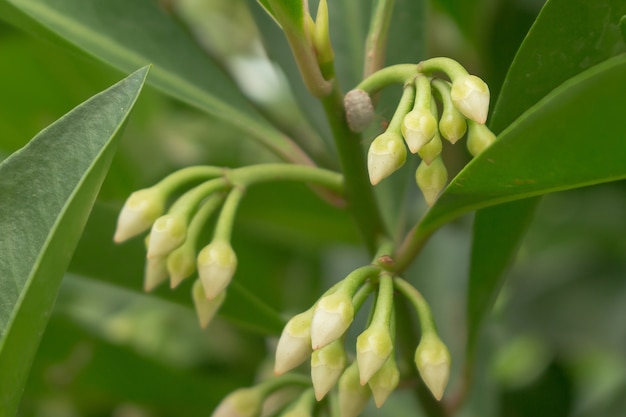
(244, 402)
(155, 273)
(373, 347)
(327, 365)
(359, 110)
(419, 126)
(181, 263)
(452, 124)
(353, 396)
(140, 210)
(430, 151)
(479, 138)
(205, 309)
(386, 154)
(385, 381)
(302, 407)
(168, 232)
(332, 317)
(294, 345)
(470, 95)
(217, 263)
(432, 359)
(431, 179)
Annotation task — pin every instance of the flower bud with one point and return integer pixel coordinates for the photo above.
(332, 317)
(359, 110)
(327, 365)
(294, 345)
(470, 95)
(387, 153)
(432, 359)
(140, 210)
(431, 179)
(430, 151)
(244, 402)
(385, 381)
(373, 347)
(302, 407)
(452, 124)
(181, 263)
(205, 309)
(217, 263)
(168, 232)
(353, 396)
(418, 128)
(479, 138)
(155, 273)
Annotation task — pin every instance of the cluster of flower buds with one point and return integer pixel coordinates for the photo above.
(320, 333)
(174, 236)
(416, 122)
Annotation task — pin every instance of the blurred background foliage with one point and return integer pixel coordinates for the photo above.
(555, 344)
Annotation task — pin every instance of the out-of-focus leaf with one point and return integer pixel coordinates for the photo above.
(554, 50)
(48, 189)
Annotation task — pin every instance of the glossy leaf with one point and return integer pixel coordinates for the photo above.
(539, 67)
(48, 189)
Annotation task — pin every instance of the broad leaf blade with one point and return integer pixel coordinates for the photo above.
(587, 37)
(48, 189)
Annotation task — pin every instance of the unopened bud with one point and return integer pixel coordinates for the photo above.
(140, 210)
(470, 95)
(302, 407)
(244, 402)
(155, 273)
(418, 128)
(431, 179)
(386, 154)
(385, 381)
(205, 309)
(168, 232)
(432, 359)
(294, 345)
(430, 151)
(217, 263)
(479, 138)
(353, 396)
(359, 110)
(373, 347)
(181, 263)
(452, 124)
(327, 365)
(332, 317)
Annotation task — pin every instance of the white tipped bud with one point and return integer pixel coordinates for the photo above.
(332, 317)
(353, 396)
(168, 232)
(452, 124)
(418, 128)
(385, 381)
(387, 153)
(327, 365)
(181, 263)
(140, 210)
(432, 359)
(479, 138)
(359, 110)
(431, 179)
(244, 402)
(373, 347)
(217, 263)
(155, 273)
(294, 345)
(430, 151)
(205, 309)
(470, 95)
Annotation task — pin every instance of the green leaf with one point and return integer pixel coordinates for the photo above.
(554, 50)
(47, 191)
(572, 138)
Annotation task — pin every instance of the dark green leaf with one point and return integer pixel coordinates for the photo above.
(48, 189)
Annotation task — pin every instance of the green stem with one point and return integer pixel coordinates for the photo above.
(404, 106)
(427, 322)
(359, 194)
(186, 175)
(412, 245)
(189, 202)
(256, 174)
(376, 42)
(441, 64)
(226, 219)
(384, 301)
(394, 74)
(274, 384)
